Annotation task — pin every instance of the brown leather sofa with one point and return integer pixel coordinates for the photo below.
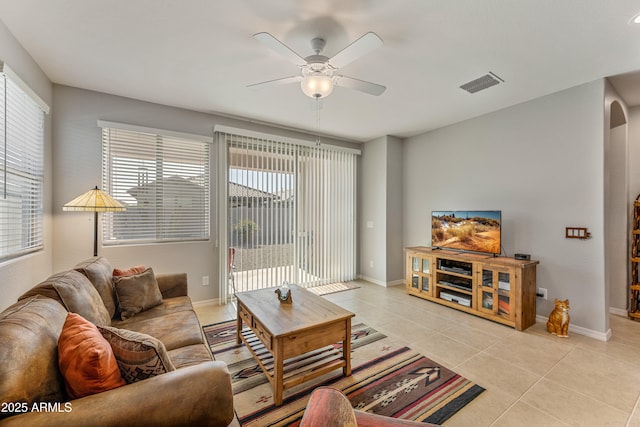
(32, 389)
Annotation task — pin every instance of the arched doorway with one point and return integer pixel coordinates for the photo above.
(616, 215)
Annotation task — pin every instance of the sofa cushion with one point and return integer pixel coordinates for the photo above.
(98, 271)
(190, 355)
(137, 293)
(175, 330)
(139, 356)
(167, 306)
(173, 284)
(86, 359)
(76, 293)
(29, 331)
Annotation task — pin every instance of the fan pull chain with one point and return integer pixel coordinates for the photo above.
(318, 121)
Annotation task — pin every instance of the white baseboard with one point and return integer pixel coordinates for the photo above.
(618, 311)
(214, 301)
(372, 280)
(602, 336)
(380, 283)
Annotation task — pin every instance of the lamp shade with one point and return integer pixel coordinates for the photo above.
(94, 200)
(317, 85)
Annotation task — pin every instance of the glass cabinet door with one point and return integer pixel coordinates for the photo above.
(415, 263)
(487, 278)
(495, 292)
(504, 293)
(415, 281)
(426, 275)
(426, 286)
(487, 294)
(504, 281)
(426, 266)
(487, 300)
(420, 267)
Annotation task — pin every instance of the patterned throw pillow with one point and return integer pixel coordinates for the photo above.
(137, 293)
(85, 359)
(139, 355)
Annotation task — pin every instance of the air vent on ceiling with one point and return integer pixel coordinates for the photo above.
(482, 83)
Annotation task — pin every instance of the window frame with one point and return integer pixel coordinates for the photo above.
(193, 215)
(22, 148)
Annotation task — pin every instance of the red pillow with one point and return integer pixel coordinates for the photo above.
(86, 359)
(128, 271)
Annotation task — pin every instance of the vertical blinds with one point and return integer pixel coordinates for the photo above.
(299, 196)
(164, 182)
(327, 213)
(21, 170)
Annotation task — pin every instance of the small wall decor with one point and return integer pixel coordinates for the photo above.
(558, 323)
(284, 293)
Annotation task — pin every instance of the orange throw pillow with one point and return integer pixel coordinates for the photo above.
(86, 359)
(128, 271)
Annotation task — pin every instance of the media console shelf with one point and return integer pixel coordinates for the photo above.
(497, 288)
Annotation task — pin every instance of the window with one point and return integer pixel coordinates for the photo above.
(21, 167)
(163, 180)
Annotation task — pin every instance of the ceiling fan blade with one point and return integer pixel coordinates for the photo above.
(276, 82)
(355, 50)
(279, 47)
(360, 85)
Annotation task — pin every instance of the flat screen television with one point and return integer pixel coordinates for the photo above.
(474, 231)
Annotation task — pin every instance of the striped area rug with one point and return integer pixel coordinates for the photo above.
(387, 379)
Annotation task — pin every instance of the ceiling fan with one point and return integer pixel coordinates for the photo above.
(318, 72)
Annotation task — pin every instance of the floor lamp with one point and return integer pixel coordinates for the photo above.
(94, 201)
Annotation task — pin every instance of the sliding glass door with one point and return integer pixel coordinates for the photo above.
(290, 213)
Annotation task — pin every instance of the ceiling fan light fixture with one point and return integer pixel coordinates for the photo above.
(317, 77)
(317, 85)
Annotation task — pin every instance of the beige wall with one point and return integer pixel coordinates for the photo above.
(373, 213)
(541, 163)
(394, 226)
(381, 256)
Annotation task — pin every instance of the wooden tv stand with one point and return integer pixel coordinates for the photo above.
(501, 289)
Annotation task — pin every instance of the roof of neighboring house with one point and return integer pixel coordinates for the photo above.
(285, 195)
(235, 190)
(172, 181)
(243, 191)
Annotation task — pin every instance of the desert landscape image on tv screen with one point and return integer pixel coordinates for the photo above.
(477, 231)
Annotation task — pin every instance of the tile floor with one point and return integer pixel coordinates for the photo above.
(531, 378)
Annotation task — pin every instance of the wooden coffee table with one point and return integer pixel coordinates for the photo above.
(280, 334)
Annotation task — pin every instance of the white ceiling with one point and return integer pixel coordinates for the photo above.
(200, 54)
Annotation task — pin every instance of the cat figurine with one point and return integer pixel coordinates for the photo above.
(558, 323)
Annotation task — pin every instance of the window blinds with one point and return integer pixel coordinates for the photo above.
(21, 168)
(295, 196)
(327, 213)
(164, 182)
